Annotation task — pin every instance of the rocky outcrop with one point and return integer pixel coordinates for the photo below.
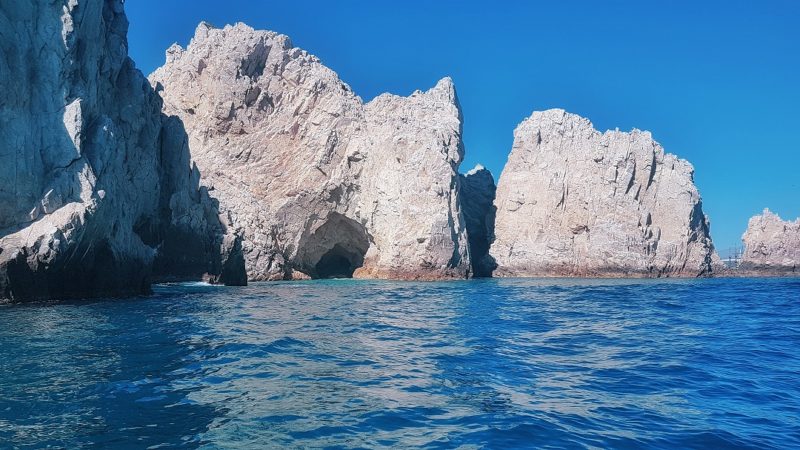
(573, 201)
(771, 245)
(318, 183)
(477, 201)
(96, 193)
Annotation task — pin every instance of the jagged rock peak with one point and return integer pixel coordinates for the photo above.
(478, 169)
(772, 245)
(444, 90)
(319, 183)
(574, 201)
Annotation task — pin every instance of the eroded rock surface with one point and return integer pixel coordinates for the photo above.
(97, 196)
(318, 183)
(772, 245)
(573, 201)
(477, 200)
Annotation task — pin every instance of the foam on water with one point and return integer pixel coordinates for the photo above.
(344, 363)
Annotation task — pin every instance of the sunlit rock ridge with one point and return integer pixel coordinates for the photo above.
(573, 201)
(772, 245)
(96, 193)
(319, 183)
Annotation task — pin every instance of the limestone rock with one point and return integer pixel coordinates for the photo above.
(319, 183)
(573, 201)
(93, 185)
(772, 245)
(477, 200)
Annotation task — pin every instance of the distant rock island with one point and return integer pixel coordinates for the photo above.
(771, 245)
(245, 158)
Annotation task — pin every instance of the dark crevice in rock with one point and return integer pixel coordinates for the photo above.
(477, 205)
(253, 66)
(192, 245)
(338, 262)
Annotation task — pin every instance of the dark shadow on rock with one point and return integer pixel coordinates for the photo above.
(193, 243)
(477, 205)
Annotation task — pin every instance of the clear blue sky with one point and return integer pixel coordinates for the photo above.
(717, 82)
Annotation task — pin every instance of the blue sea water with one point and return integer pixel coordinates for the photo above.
(369, 364)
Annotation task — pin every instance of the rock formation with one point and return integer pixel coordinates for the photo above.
(318, 183)
(261, 163)
(96, 193)
(477, 200)
(573, 201)
(772, 245)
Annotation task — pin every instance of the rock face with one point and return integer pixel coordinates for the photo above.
(477, 200)
(318, 183)
(573, 201)
(96, 193)
(772, 245)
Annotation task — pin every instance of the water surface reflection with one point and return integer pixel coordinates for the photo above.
(348, 363)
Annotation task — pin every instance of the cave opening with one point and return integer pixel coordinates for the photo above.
(334, 249)
(338, 262)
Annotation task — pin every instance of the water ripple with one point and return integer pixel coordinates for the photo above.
(356, 364)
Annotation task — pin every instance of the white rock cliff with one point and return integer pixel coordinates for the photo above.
(573, 201)
(96, 192)
(772, 245)
(318, 183)
(244, 157)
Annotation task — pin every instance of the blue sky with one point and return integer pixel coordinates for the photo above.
(717, 82)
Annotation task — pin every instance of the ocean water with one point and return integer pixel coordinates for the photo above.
(368, 364)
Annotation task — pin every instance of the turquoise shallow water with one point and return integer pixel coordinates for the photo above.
(358, 364)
